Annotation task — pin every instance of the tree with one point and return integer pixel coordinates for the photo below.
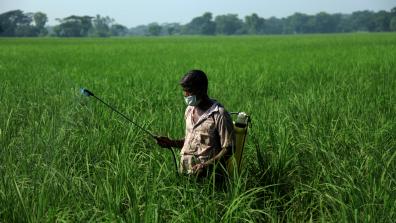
(254, 24)
(74, 26)
(297, 23)
(15, 23)
(203, 25)
(25, 28)
(393, 11)
(154, 29)
(139, 30)
(118, 30)
(326, 23)
(381, 21)
(102, 25)
(40, 19)
(273, 25)
(393, 24)
(362, 21)
(171, 28)
(228, 24)
(86, 25)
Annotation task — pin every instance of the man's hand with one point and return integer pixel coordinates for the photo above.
(164, 141)
(197, 168)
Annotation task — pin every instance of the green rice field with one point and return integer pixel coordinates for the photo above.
(321, 147)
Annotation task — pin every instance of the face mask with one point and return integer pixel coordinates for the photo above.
(191, 100)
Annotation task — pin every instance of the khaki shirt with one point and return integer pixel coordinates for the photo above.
(204, 139)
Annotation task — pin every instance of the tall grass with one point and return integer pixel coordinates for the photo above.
(322, 145)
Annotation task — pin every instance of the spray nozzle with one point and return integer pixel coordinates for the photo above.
(86, 92)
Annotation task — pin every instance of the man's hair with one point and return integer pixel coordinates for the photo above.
(195, 81)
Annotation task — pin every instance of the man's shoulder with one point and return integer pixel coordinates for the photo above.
(189, 108)
(222, 117)
(221, 111)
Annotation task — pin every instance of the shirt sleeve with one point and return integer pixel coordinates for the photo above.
(187, 115)
(187, 112)
(225, 128)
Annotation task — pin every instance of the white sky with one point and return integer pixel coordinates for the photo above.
(132, 13)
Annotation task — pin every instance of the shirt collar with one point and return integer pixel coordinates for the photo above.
(214, 108)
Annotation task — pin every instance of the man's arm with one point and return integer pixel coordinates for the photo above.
(178, 143)
(225, 128)
(213, 160)
(166, 142)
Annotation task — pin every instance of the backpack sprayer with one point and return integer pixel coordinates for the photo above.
(88, 93)
(240, 130)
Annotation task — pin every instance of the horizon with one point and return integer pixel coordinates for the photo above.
(182, 12)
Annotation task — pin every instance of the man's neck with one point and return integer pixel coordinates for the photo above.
(201, 108)
(205, 104)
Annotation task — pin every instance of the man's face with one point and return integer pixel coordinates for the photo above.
(188, 92)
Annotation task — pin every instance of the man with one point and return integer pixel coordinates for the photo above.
(209, 138)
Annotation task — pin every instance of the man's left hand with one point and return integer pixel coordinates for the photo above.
(198, 167)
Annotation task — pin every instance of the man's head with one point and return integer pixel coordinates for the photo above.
(195, 87)
(195, 82)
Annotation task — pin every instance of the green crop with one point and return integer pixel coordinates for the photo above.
(322, 145)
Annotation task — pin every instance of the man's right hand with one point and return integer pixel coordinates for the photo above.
(164, 141)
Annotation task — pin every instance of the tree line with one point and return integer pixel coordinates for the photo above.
(16, 23)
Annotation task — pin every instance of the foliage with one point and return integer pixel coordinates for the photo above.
(254, 24)
(102, 26)
(228, 24)
(154, 29)
(362, 20)
(393, 24)
(40, 19)
(17, 23)
(74, 26)
(118, 30)
(203, 25)
(172, 28)
(141, 30)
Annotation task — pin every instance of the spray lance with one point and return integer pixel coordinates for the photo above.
(89, 93)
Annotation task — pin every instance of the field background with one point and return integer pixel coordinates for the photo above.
(322, 146)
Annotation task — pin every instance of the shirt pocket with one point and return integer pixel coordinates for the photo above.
(208, 126)
(205, 138)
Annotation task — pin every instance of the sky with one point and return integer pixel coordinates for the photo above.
(132, 12)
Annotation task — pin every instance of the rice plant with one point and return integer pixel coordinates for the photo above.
(322, 145)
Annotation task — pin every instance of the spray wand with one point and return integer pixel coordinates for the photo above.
(89, 93)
